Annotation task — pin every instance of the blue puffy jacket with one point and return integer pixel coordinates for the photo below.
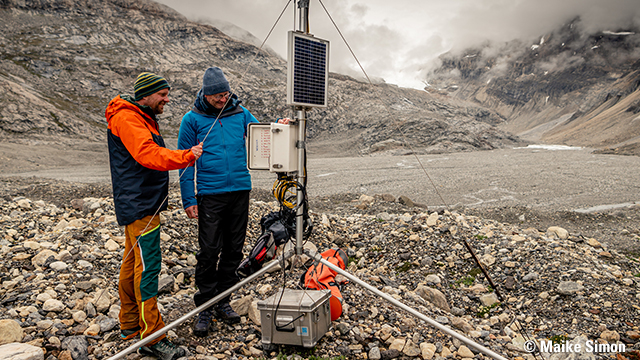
(223, 165)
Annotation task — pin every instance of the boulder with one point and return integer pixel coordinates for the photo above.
(77, 346)
(17, 351)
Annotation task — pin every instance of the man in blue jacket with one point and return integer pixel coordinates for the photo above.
(223, 185)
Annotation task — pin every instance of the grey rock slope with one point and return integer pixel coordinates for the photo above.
(570, 86)
(62, 61)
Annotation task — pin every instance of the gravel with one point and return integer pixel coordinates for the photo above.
(555, 283)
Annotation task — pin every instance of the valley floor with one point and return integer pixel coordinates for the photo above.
(594, 195)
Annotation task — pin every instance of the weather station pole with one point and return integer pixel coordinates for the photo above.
(301, 120)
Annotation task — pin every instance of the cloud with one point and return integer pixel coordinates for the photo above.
(399, 40)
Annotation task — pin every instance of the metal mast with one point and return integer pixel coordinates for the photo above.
(301, 119)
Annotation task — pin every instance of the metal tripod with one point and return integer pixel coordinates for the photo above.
(300, 118)
(319, 258)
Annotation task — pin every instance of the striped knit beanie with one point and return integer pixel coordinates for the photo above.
(147, 84)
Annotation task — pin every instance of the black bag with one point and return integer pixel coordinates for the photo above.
(274, 234)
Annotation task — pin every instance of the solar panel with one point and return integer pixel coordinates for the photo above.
(308, 71)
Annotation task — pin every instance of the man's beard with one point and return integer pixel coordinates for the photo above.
(158, 109)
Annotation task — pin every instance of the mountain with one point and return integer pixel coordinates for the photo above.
(61, 61)
(572, 86)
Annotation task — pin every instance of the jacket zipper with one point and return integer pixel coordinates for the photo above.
(224, 150)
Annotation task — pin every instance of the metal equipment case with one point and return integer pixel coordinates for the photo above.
(300, 317)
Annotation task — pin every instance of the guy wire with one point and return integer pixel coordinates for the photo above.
(386, 107)
(406, 142)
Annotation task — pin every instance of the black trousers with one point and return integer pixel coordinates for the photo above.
(222, 227)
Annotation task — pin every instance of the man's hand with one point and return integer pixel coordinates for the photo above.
(284, 121)
(192, 211)
(197, 151)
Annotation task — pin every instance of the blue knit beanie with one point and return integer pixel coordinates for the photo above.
(147, 84)
(214, 82)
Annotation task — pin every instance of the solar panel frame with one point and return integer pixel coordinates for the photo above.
(308, 70)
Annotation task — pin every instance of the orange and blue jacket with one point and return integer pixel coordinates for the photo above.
(139, 160)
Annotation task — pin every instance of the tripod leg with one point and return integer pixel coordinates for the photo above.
(197, 310)
(408, 309)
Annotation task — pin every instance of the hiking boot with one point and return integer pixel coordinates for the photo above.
(225, 313)
(163, 350)
(126, 334)
(201, 327)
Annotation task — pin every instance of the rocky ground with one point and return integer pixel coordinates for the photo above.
(61, 251)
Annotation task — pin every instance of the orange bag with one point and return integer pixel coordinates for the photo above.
(320, 277)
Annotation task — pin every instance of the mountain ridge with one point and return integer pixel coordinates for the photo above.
(63, 60)
(571, 88)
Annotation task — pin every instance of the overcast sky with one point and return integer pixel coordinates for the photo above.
(400, 40)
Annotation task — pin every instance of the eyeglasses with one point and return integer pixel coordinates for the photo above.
(219, 97)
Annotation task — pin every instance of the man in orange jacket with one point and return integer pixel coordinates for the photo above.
(139, 165)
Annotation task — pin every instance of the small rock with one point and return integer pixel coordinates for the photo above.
(84, 264)
(374, 353)
(59, 265)
(60, 226)
(595, 243)
(366, 200)
(264, 289)
(510, 282)
(489, 299)
(405, 201)
(165, 284)
(411, 349)
(464, 352)
(432, 220)
(557, 232)
(254, 313)
(43, 297)
(107, 324)
(92, 330)
(44, 324)
(397, 344)
(427, 350)
(610, 336)
(433, 296)
(10, 331)
(111, 245)
(242, 305)
(569, 287)
(389, 354)
(433, 278)
(79, 316)
(631, 334)
(42, 256)
(53, 305)
(114, 311)
(531, 276)
(487, 260)
(90, 310)
(461, 324)
(101, 300)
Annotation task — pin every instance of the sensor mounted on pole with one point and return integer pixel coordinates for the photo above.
(308, 71)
